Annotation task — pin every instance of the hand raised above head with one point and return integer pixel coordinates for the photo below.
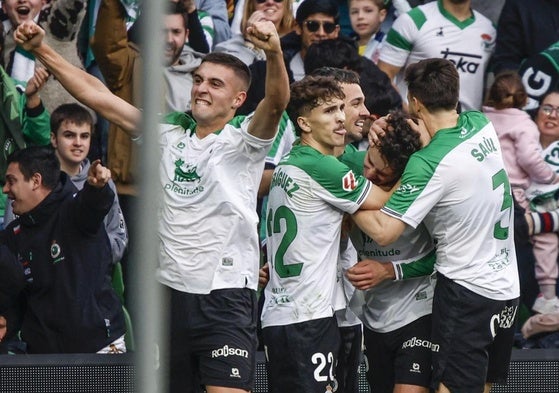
(263, 35)
(98, 175)
(29, 35)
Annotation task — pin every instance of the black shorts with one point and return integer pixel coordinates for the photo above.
(301, 357)
(213, 340)
(472, 337)
(402, 356)
(349, 358)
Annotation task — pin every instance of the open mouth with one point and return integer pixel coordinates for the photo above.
(23, 10)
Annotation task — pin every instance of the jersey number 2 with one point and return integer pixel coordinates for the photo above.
(273, 225)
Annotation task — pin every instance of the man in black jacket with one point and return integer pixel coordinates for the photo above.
(60, 241)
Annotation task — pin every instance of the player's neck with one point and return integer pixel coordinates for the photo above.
(459, 11)
(434, 122)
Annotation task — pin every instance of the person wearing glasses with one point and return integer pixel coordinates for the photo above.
(544, 198)
(520, 142)
(448, 29)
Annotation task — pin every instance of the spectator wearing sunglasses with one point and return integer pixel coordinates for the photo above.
(316, 20)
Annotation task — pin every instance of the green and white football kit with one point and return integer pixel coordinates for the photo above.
(209, 250)
(429, 31)
(457, 186)
(308, 196)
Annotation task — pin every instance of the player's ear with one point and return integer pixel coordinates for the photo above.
(303, 124)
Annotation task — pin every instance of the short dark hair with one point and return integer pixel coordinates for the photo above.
(338, 52)
(177, 8)
(435, 82)
(38, 159)
(339, 74)
(310, 7)
(72, 112)
(310, 92)
(398, 144)
(240, 69)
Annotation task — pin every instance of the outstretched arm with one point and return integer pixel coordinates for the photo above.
(379, 226)
(266, 118)
(84, 87)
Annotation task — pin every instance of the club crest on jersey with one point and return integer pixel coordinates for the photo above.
(349, 182)
(487, 42)
(55, 252)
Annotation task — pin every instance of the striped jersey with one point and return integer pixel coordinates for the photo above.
(457, 185)
(429, 31)
(309, 194)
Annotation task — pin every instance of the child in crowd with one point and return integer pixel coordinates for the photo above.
(522, 153)
(366, 17)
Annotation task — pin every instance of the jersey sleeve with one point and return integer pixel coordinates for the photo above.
(400, 38)
(420, 189)
(338, 185)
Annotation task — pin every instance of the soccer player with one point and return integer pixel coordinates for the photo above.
(458, 187)
(396, 314)
(310, 191)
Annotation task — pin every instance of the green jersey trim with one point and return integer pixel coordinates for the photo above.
(394, 38)
(328, 171)
(423, 266)
(460, 24)
(418, 17)
(425, 161)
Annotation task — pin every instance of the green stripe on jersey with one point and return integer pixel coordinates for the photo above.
(418, 17)
(284, 120)
(327, 171)
(423, 164)
(460, 24)
(394, 38)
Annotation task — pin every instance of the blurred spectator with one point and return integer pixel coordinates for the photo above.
(380, 95)
(524, 30)
(70, 305)
(366, 18)
(61, 20)
(277, 12)
(316, 20)
(447, 29)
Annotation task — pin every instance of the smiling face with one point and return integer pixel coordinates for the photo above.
(323, 127)
(366, 17)
(19, 190)
(548, 124)
(355, 111)
(19, 11)
(175, 37)
(271, 11)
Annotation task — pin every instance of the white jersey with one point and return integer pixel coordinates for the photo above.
(393, 304)
(457, 185)
(308, 196)
(208, 235)
(429, 31)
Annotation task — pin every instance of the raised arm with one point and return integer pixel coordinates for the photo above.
(84, 87)
(268, 113)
